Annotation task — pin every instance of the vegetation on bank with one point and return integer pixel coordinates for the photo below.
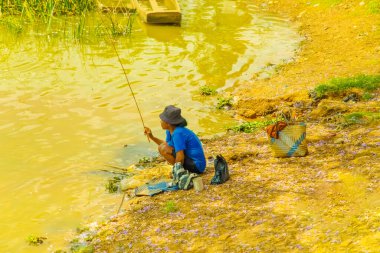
(360, 118)
(37, 8)
(250, 127)
(63, 17)
(374, 6)
(337, 87)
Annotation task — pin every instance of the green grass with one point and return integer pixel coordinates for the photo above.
(339, 86)
(170, 207)
(360, 118)
(325, 3)
(224, 102)
(250, 127)
(367, 96)
(38, 8)
(207, 90)
(374, 6)
(12, 24)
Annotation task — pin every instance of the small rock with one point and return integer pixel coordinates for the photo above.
(351, 97)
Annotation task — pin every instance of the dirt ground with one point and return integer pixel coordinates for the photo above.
(328, 201)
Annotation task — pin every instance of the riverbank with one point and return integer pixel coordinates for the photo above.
(324, 202)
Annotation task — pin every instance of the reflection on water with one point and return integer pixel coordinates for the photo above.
(66, 109)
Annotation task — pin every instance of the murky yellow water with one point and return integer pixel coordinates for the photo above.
(66, 109)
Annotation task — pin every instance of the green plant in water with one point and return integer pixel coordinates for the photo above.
(12, 24)
(78, 34)
(38, 8)
(35, 240)
(170, 207)
(207, 90)
(50, 5)
(224, 102)
(250, 127)
(338, 86)
(113, 184)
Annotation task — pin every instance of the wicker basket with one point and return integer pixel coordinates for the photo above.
(291, 141)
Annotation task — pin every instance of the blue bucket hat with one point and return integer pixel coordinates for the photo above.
(172, 115)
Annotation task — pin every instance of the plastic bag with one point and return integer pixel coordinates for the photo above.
(221, 170)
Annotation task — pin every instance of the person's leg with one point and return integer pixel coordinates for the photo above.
(167, 152)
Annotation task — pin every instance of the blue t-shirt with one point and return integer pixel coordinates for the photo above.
(186, 140)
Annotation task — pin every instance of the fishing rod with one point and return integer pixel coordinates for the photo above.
(133, 95)
(126, 76)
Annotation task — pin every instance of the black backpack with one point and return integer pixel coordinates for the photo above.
(221, 170)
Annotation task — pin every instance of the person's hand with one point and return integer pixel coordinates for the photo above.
(148, 132)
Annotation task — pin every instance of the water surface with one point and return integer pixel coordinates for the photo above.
(66, 108)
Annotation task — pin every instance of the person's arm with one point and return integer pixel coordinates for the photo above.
(149, 133)
(180, 157)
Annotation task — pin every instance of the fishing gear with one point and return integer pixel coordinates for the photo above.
(126, 77)
(134, 98)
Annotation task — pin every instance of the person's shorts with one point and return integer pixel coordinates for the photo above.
(189, 164)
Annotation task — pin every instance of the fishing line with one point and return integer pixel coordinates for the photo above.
(124, 71)
(133, 95)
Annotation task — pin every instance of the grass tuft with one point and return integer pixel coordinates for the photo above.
(207, 90)
(250, 127)
(224, 103)
(339, 86)
(374, 6)
(360, 118)
(170, 207)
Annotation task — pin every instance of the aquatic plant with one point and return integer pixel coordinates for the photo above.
(113, 184)
(37, 8)
(17, 15)
(338, 86)
(207, 90)
(12, 24)
(35, 240)
(224, 103)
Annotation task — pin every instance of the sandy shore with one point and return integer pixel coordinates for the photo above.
(327, 201)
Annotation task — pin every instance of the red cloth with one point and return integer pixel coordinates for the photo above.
(273, 130)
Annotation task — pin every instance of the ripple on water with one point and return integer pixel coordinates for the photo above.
(67, 110)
